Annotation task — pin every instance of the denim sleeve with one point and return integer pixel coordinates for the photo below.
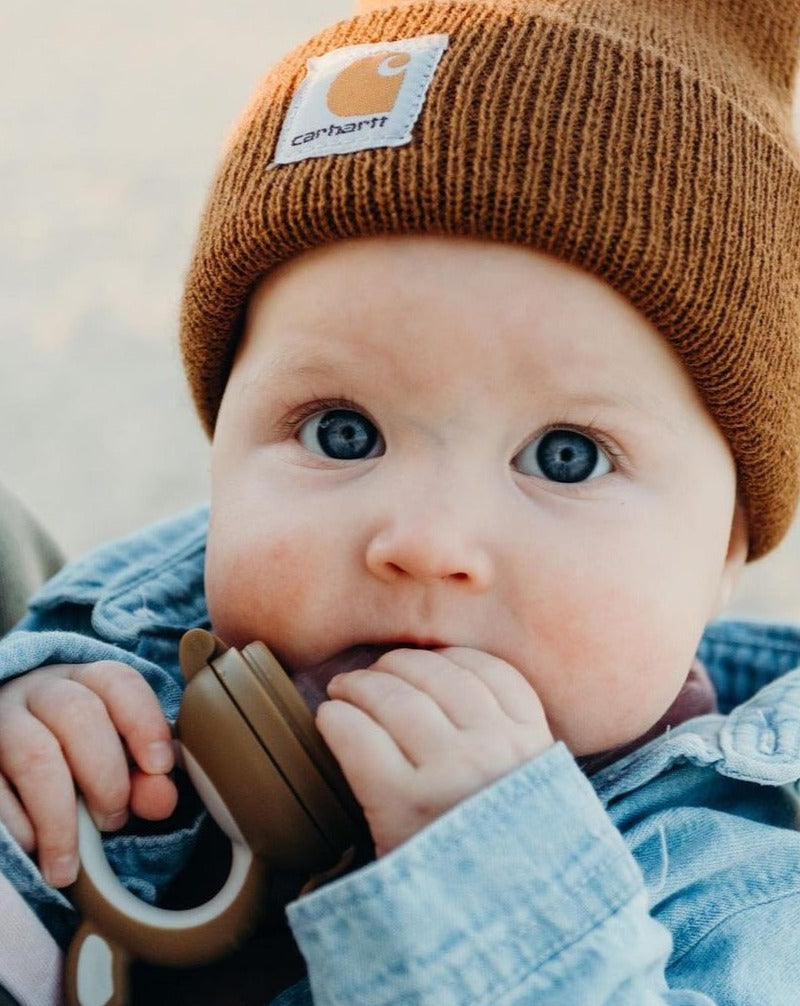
(130, 602)
(526, 893)
(719, 858)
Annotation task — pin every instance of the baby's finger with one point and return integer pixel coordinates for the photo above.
(372, 762)
(513, 693)
(461, 695)
(32, 761)
(13, 816)
(153, 797)
(410, 716)
(79, 721)
(134, 710)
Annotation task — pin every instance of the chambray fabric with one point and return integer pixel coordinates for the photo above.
(129, 601)
(669, 877)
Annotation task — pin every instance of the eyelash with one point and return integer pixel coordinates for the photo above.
(295, 417)
(601, 439)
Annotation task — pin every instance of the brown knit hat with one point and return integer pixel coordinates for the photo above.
(647, 141)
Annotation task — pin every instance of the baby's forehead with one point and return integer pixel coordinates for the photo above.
(410, 311)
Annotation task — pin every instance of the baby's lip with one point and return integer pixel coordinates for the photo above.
(312, 680)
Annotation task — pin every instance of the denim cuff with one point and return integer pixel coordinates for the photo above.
(480, 903)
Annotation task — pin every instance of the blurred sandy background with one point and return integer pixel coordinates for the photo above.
(112, 116)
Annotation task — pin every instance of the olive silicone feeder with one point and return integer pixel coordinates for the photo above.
(248, 742)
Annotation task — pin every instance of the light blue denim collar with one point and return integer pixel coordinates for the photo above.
(758, 742)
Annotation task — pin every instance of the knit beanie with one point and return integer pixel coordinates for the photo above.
(649, 142)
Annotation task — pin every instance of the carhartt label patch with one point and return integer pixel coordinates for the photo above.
(359, 97)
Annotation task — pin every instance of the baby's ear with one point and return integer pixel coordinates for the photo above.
(738, 546)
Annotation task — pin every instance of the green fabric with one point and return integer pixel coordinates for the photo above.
(28, 556)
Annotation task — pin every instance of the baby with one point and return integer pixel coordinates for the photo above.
(494, 317)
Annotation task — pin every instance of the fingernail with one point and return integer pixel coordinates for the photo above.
(160, 757)
(62, 870)
(113, 821)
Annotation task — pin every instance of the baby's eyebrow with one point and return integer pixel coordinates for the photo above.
(314, 365)
(608, 400)
(306, 365)
(609, 405)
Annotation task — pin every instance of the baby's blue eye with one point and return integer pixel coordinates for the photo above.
(341, 434)
(563, 456)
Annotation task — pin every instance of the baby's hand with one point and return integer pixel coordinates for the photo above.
(80, 722)
(422, 730)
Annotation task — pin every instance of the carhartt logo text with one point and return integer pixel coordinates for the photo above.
(359, 97)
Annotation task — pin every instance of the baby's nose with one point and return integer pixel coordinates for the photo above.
(431, 543)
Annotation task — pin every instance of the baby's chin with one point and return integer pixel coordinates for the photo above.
(599, 739)
(695, 698)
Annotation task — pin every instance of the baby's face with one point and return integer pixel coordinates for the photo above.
(439, 442)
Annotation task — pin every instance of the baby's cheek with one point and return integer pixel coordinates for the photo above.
(258, 590)
(612, 672)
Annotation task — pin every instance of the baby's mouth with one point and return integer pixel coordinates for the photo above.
(312, 681)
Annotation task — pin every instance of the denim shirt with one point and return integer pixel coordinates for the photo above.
(669, 877)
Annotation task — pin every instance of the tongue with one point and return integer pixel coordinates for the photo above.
(312, 681)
